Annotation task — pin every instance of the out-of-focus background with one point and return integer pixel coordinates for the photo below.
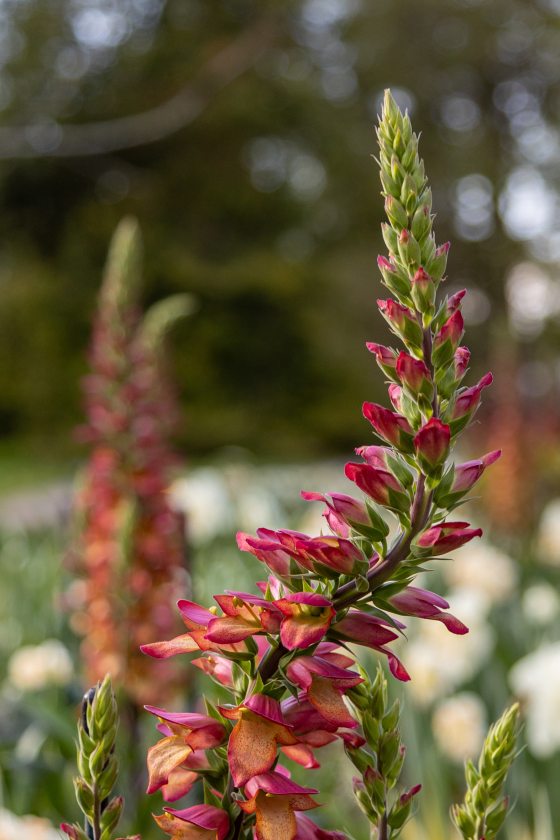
(240, 134)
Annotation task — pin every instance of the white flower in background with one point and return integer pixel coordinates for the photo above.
(548, 535)
(536, 680)
(482, 568)
(541, 604)
(33, 667)
(205, 501)
(439, 661)
(253, 499)
(32, 828)
(459, 726)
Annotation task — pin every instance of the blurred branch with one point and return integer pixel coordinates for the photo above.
(51, 139)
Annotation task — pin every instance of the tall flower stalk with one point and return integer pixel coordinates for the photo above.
(129, 550)
(282, 652)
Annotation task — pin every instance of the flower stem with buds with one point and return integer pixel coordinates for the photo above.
(282, 653)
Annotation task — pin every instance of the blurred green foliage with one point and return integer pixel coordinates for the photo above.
(266, 205)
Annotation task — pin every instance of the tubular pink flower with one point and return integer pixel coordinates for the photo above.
(253, 742)
(386, 356)
(452, 331)
(324, 684)
(425, 604)
(307, 617)
(401, 320)
(331, 553)
(396, 395)
(196, 619)
(379, 485)
(244, 615)
(370, 631)
(186, 733)
(392, 427)
(343, 512)
(182, 778)
(217, 667)
(454, 301)
(413, 373)
(423, 290)
(468, 399)
(274, 799)
(447, 536)
(461, 362)
(269, 551)
(432, 443)
(199, 822)
(468, 473)
(375, 456)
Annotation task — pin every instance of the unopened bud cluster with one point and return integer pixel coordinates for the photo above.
(484, 810)
(381, 759)
(97, 766)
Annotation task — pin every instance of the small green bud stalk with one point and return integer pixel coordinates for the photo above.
(97, 765)
(380, 762)
(484, 810)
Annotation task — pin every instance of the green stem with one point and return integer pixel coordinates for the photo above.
(96, 814)
(383, 833)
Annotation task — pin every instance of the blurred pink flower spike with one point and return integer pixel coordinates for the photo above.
(432, 445)
(274, 799)
(425, 604)
(253, 741)
(439, 539)
(363, 629)
(199, 822)
(307, 617)
(392, 428)
(324, 684)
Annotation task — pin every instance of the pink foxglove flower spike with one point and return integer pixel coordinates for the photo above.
(282, 652)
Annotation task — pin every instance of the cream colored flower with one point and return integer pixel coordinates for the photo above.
(34, 667)
(459, 726)
(439, 661)
(482, 568)
(32, 828)
(540, 603)
(536, 680)
(204, 499)
(548, 536)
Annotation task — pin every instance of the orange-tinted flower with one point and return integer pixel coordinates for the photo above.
(253, 742)
(274, 799)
